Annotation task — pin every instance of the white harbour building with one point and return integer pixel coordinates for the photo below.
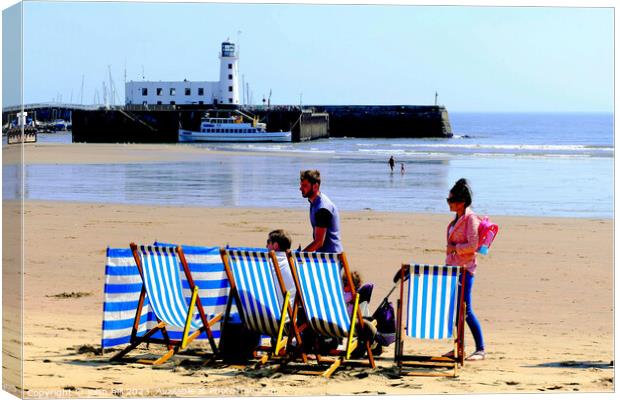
(224, 91)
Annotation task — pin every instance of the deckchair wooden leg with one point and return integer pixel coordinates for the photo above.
(165, 357)
(352, 327)
(176, 348)
(297, 329)
(283, 314)
(209, 332)
(194, 335)
(190, 314)
(118, 356)
(282, 347)
(333, 368)
(138, 342)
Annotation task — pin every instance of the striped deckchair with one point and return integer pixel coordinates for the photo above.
(258, 289)
(123, 286)
(318, 280)
(162, 285)
(121, 294)
(434, 311)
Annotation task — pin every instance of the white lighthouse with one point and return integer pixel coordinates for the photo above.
(224, 91)
(229, 74)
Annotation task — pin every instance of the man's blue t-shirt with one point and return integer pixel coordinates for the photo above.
(324, 214)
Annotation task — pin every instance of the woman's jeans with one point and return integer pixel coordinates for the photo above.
(470, 317)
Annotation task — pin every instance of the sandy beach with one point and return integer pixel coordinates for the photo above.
(544, 296)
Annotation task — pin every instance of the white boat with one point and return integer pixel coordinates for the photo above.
(232, 129)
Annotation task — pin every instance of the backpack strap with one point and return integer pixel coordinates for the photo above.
(460, 221)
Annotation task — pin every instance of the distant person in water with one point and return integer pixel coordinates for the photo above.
(391, 162)
(324, 216)
(402, 168)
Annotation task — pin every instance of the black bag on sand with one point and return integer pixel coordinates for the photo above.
(237, 343)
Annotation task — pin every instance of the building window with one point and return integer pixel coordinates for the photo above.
(230, 88)
(144, 103)
(201, 102)
(173, 92)
(230, 100)
(201, 91)
(229, 66)
(173, 102)
(229, 76)
(188, 91)
(145, 92)
(160, 91)
(159, 102)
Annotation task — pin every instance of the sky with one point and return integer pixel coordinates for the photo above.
(478, 59)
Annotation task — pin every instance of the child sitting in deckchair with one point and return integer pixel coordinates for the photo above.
(369, 330)
(280, 241)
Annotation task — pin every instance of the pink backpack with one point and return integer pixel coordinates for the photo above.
(487, 231)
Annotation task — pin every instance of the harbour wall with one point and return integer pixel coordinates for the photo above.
(391, 121)
(385, 121)
(125, 126)
(304, 125)
(160, 124)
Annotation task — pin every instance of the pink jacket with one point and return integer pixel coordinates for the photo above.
(465, 236)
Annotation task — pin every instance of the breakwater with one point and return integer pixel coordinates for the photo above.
(160, 124)
(394, 121)
(138, 124)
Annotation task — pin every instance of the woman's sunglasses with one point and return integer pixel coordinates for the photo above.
(451, 200)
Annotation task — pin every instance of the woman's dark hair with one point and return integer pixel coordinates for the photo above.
(461, 192)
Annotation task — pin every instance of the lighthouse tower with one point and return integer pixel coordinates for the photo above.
(229, 75)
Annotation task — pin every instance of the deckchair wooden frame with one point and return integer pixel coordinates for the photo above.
(279, 346)
(402, 360)
(173, 345)
(342, 356)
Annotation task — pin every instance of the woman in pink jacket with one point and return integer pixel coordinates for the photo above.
(461, 250)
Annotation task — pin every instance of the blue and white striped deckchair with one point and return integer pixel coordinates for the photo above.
(433, 303)
(262, 299)
(162, 285)
(318, 280)
(121, 294)
(123, 285)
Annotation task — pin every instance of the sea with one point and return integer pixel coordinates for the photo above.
(519, 164)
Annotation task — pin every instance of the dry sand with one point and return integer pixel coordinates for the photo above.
(544, 295)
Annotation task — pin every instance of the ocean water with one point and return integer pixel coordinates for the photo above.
(518, 164)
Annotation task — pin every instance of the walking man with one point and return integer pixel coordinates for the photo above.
(391, 162)
(323, 215)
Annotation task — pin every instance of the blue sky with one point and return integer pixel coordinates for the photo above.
(476, 58)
